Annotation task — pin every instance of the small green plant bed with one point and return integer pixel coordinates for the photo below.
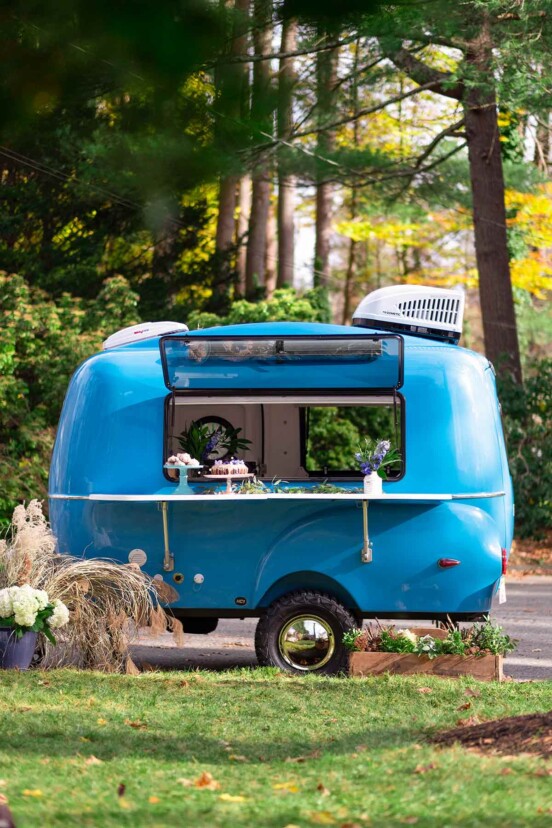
(480, 639)
(258, 748)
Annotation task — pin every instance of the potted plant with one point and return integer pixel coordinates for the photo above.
(478, 650)
(24, 612)
(108, 601)
(212, 438)
(373, 457)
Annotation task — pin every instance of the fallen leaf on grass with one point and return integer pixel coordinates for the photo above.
(206, 781)
(83, 739)
(102, 721)
(44, 683)
(465, 706)
(350, 825)
(472, 720)
(32, 792)
(409, 820)
(286, 787)
(23, 709)
(121, 789)
(226, 797)
(506, 771)
(425, 690)
(315, 754)
(322, 818)
(153, 800)
(471, 692)
(93, 760)
(187, 783)
(236, 757)
(425, 768)
(321, 788)
(137, 725)
(543, 772)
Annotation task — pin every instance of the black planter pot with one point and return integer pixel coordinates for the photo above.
(16, 652)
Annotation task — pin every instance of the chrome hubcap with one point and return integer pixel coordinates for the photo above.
(307, 642)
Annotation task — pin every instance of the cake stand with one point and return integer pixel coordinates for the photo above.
(228, 478)
(183, 485)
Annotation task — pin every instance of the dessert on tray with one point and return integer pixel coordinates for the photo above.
(229, 467)
(182, 459)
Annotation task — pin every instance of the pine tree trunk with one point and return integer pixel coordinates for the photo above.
(242, 224)
(489, 218)
(230, 80)
(225, 219)
(286, 183)
(326, 75)
(352, 258)
(271, 251)
(261, 111)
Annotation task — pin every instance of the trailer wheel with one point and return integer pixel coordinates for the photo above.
(302, 632)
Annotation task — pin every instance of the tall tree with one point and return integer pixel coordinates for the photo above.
(261, 117)
(231, 81)
(287, 78)
(476, 90)
(326, 76)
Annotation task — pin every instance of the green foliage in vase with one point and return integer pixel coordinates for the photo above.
(200, 440)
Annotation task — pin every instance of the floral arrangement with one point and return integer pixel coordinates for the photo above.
(480, 639)
(26, 609)
(201, 440)
(375, 456)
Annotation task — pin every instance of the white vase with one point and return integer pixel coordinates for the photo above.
(373, 484)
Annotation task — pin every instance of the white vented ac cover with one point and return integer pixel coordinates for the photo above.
(413, 309)
(146, 330)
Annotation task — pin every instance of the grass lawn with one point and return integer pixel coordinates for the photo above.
(281, 751)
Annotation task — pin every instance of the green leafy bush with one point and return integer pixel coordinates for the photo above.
(527, 420)
(41, 344)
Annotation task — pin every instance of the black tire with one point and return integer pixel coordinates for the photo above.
(332, 618)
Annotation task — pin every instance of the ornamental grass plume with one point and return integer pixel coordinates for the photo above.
(107, 601)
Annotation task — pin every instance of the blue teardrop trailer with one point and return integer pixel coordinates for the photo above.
(306, 559)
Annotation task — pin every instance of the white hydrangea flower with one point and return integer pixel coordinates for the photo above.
(42, 598)
(25, 605)
(24, 618)
(60, 615)
(6, 604)
(408, 634)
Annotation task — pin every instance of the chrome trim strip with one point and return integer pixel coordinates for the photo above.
(163, 498)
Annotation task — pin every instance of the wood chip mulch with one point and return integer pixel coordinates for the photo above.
(517, 734)
(531, 557)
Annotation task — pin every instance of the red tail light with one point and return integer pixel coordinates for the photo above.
(446, 563)
(504, 561)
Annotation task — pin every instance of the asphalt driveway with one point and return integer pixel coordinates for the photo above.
(526, 616)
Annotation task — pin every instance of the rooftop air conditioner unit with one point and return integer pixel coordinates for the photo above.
(146, 330)
(423, 311)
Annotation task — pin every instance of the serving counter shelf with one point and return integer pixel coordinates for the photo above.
(431, 499)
